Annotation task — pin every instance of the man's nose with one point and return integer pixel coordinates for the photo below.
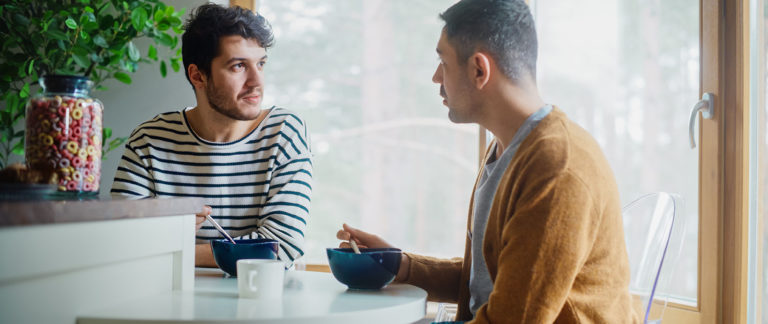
(437, 77)
(255, 77)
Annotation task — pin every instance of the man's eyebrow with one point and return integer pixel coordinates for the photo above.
(438, 51)
(235, 59)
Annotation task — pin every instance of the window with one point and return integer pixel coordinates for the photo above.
(630, 78)
(758, 160)
(387, 159)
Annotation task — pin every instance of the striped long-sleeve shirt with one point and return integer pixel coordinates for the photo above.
(258, 186)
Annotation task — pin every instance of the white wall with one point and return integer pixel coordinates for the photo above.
(128, 105)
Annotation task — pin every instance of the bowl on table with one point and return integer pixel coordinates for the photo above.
(226, 254)
(371, 269)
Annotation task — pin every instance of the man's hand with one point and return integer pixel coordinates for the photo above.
(363, 239)
(200, 217)
(368, 240)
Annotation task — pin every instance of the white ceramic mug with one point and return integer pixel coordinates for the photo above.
(260, 278)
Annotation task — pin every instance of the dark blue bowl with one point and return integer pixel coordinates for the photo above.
(371, 269)
(226, 254)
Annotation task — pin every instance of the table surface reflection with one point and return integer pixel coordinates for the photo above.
(309, 297)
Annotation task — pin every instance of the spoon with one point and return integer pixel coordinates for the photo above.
(218, 228)
(354, 246)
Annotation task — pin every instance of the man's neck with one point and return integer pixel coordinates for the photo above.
(507, 113)
(212, 126)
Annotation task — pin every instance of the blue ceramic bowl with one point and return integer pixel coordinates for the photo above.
(226, 254)
(371, 269)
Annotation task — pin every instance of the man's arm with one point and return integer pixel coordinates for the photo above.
(204, 256)
(132, 179)
(284, 216)
(203, 252)
(439, 277)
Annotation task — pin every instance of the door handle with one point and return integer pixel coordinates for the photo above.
(707, 107)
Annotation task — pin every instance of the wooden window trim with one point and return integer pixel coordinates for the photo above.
(723, 171)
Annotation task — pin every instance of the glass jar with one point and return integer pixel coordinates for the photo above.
(63, 130)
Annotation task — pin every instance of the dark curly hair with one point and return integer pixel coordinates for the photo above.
(209, 22)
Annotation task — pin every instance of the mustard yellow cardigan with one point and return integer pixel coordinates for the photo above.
(554, 243)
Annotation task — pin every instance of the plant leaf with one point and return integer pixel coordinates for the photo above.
(81, 60)
(122, 77)
(24, 91)
(139, 18)
(56, 34)
(18, 148)
(165, 39)
(100, 41)
(163, 69)
(174, 21)
(175, 65)
(152, 52)
(71, 23)
(20, 19)
(133, 52)
(106, 133)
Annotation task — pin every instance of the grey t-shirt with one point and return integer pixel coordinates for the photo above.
(480, 284)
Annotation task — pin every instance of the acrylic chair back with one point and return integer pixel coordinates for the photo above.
(653, 229)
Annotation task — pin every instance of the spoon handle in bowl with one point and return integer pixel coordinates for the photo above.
(221, 230)
(354, 245)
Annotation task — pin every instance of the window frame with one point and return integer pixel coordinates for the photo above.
(723, 171)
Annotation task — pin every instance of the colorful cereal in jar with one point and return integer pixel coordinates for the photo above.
(65, 132)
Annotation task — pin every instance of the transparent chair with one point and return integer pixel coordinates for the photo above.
(654, 228)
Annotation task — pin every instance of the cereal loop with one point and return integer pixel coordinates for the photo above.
(72, 147)
(77, 113)
(77, 162)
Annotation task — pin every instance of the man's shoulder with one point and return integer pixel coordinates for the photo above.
(559, 137)
(164, 125)
(283, 117)
(288, 130)
(559, 144)
(164, 119)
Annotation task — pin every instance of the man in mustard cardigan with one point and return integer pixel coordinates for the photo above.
(545, 241)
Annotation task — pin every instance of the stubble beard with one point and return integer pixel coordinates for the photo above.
(221, 104)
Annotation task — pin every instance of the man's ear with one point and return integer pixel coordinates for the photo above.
(480, 69)
(196, 76)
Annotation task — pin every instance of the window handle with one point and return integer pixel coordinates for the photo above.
(707, 107)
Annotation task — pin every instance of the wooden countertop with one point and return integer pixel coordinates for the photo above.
(20, 213)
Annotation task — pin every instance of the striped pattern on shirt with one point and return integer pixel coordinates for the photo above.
(258, 186)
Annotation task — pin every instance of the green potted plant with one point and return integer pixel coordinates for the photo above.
(88, 41)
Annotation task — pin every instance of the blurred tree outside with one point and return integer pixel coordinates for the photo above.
(387, 159)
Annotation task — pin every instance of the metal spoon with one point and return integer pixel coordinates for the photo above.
(218, 228)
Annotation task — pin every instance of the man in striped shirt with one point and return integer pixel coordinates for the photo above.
(252, 166)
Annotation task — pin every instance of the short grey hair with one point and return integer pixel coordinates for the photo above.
(503, 28)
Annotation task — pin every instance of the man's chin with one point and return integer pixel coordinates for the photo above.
(458, 119)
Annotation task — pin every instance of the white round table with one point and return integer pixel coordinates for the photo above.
(309, 297)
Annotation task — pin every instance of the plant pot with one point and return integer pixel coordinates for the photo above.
(64, 131)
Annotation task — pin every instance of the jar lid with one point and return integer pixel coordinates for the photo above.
(74, 84)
